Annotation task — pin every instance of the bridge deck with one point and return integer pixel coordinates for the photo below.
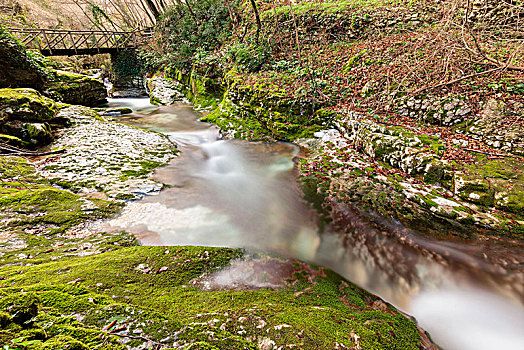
(58, 42)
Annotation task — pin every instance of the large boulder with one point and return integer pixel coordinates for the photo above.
(76, 89)
(19, 69)
(26, 105)
(25, 117)
(164, 92)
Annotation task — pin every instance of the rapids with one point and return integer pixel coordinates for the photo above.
(244, 194)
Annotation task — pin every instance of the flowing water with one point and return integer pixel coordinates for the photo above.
(244, 194)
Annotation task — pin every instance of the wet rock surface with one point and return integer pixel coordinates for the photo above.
(104, 155)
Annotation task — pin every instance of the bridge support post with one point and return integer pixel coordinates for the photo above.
(128, 79)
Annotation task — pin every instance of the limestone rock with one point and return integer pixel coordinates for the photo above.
(490, 129)
(164, 92)
(76, 89)
(103, 155)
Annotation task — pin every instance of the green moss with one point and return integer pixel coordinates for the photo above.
(498, 183)
(63, 342)
(23, 307)
(329, 7)
(316, 303)
(27, 105)
(427, 202)
(31, 200)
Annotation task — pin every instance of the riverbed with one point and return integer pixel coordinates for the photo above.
(244, 194)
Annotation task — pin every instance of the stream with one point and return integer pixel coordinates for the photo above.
(244, 194)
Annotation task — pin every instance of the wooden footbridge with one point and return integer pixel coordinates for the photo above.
(59, 42)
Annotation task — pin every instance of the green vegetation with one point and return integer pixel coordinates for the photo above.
(19, 68)
(187, 33)
(312, 306)
(29, 201)
(332, 7)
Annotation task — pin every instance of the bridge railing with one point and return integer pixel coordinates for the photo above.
(59, 41)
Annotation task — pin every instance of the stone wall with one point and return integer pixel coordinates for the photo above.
(444, 111)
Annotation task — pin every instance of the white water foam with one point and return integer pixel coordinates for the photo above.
(470, 319)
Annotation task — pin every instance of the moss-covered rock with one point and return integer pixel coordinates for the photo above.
(76, 89)
(396, 146)
(263, 111)
(182, 291)
(98, 293)
(25, 117)
(27, 200)
(26, 105)
(498, 183)
(64, 342)
(23, 307)
(344, 175)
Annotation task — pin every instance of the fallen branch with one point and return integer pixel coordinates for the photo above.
(457, 80)
(488, 153)
(29, 153)
(137, 337)
(12, 150)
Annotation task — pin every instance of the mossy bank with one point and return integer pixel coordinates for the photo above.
(61, 289)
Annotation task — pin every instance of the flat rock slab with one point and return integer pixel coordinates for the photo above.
(104, 155)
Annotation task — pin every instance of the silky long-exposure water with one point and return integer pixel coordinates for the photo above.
(244, 194)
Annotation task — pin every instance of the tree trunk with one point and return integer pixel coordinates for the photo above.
(259, 24)
(296, 33)
(153, 8)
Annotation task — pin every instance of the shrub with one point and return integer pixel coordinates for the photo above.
(248, 56)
